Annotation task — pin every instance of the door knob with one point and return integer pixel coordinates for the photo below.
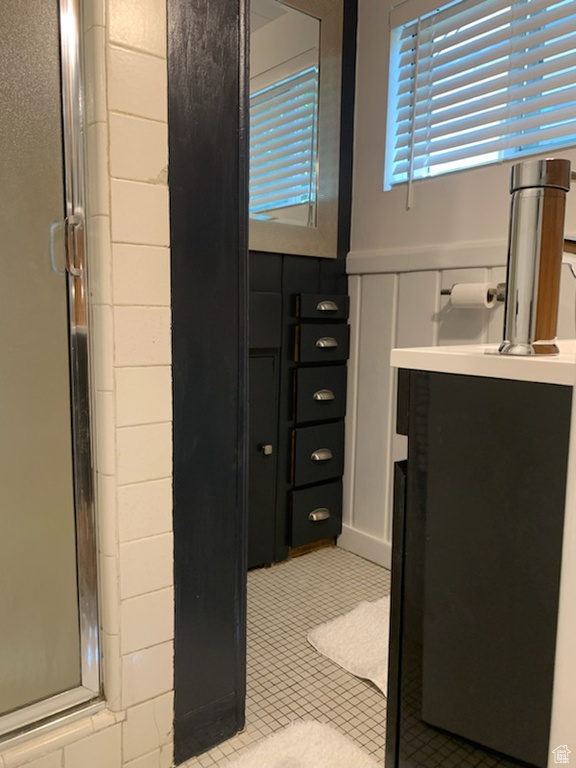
(267, 449)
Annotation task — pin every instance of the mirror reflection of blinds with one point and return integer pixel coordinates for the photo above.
(495, 80)
(283, 135)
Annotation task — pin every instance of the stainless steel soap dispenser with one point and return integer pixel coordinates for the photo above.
(535, 247)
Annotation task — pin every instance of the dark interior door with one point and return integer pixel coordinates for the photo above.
(262, 444)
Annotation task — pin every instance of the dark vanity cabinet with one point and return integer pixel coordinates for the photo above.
(321, 347)
(477, 544)
(299, 344)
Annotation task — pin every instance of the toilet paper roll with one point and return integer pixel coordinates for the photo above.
(473, 295)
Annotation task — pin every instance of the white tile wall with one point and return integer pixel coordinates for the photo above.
(147, 620)
(138, 149)
(95, 44)
(100, 268)
(109, 607)
(143, 395)
(139, 24)
(97, 170)
(145, 565)
(139, 213)
(152, 760)
(142, 336)
(144, 453)
(112, 668)
(94, 13)
(107, 518)
(54, 760)
(138, 258)
(126, 100)
(144, 509)
(141, 275)
(52, 747)
(147, 674)
(145, 725)
(136, 83)
(105, 443)
(97, 750)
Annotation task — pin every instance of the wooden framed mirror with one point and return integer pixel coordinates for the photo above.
(295, 86)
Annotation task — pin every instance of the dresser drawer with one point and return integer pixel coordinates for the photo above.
(318, 453)
(316, 513)
(316, 343)
(322, 306)
(320, 393)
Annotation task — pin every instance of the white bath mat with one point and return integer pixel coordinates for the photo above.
(358, 641)
(305, 744)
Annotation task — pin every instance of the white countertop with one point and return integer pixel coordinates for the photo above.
(483, 360)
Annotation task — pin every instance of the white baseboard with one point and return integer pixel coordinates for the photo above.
(369, 547)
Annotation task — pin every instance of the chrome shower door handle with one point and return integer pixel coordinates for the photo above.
(73, 226)
(52, 230)
(326, 342)
(323, 395)
(321, 454)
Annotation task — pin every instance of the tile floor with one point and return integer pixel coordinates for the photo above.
(287, 679)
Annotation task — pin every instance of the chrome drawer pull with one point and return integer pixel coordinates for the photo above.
(322, 513)
(326, 341)
(327, 306)
(323, 394)
(321, 454)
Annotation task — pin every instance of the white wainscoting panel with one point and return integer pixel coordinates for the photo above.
(354, 291)
(496, 317)
(418, 306)
(404, 309)
(367, 506)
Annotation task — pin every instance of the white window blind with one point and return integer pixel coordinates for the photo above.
(283, 131)
(479, 81)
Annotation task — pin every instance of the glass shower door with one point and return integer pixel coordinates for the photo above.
(42, 375)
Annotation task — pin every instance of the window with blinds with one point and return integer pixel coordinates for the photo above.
(479, 81)
(283, 136)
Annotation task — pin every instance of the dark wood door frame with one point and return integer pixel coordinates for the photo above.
(208, 178)
(208, 214)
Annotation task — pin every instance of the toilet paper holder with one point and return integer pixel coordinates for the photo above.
(499, 291)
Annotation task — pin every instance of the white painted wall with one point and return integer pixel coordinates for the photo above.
(467, 206)
(129, 272)
(399, 260)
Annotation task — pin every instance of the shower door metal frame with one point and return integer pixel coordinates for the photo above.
(74, 225)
